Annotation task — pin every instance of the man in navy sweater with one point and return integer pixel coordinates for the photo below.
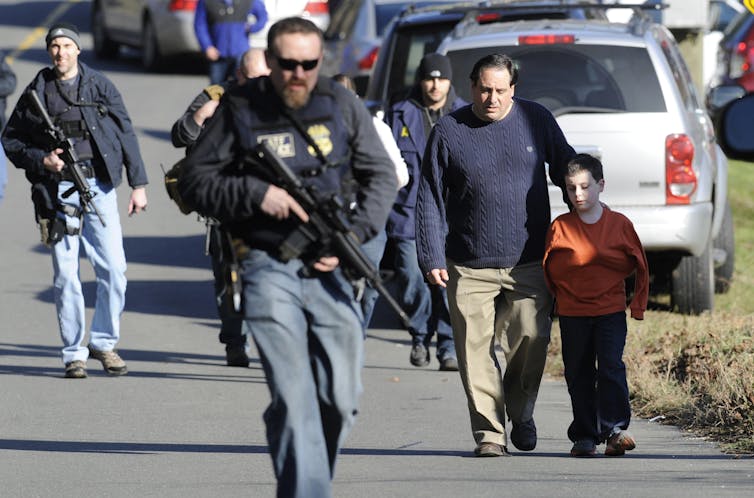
(481, 218)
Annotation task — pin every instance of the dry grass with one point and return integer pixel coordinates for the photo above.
(697, 372)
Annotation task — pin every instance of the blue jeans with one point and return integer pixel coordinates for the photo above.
(103, 246)
(426, 305)
(221, 69)
(309, 335)
(595, 374)
(373, 249)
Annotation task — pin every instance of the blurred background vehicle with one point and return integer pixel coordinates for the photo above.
(418, 31)
(355, 35)
(735, 56)
(737, 128)
(720, 14)
(317, 11)
(164, 29)
(161, 29)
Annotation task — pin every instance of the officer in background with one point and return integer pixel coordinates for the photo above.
(303, 317)
(183, 134)
(90, 110)
(411, 120)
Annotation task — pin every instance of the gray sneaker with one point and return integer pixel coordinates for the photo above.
(111, 361)
(75, 369)
(449, 364)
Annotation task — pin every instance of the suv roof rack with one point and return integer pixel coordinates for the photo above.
(485, 5)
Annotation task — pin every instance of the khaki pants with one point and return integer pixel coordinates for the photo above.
(510, 306)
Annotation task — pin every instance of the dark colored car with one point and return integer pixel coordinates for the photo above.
(736, 128)
(419, 30)
(735, 57)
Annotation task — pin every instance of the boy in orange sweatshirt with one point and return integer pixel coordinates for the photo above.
(589, 252)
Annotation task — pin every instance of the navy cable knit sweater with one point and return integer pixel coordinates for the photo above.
(483, 199)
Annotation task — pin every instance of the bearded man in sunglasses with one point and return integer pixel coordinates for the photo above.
(302, 312)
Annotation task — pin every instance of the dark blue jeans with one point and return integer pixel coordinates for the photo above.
(595, 374)
(222, 69)
(426, 305)
(373, 249)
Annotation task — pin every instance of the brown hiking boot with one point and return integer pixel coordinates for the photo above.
(75, 369)
(619, 443)
(111, 361)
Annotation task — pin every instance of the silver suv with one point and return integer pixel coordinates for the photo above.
(622, 92)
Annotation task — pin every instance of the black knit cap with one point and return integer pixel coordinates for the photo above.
(63, 29)
(434, 66)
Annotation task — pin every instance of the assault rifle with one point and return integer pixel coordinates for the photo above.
(70, 158)
(327, 226)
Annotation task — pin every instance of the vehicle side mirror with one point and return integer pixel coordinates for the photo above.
(736, 129)
(720, 96)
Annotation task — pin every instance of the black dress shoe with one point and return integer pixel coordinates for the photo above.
(236, 356)
(524, 435)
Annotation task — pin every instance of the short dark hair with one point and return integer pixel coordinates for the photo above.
(494, 61)
(291, 25)
(585, 162)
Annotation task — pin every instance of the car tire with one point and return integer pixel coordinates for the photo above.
(104, 46)
(692, 284)
(150, 50)
(724, 250)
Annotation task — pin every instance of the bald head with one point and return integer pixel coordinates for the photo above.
(252, 65)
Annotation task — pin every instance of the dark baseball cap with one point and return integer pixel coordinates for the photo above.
(434, 66)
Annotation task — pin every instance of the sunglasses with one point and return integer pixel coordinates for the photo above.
(291, 64)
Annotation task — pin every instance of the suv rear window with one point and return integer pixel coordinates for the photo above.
(583, 78)
(410, 46)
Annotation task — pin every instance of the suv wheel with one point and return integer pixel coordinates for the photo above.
(724, 253)
(692, 284)
(104, 47)
(150, 51)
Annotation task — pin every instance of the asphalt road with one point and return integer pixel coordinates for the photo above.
(182, 424)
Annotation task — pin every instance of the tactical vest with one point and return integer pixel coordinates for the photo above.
(257, 115)
(68, 117)
(230, 11)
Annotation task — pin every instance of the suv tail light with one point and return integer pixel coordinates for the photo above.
(489, 17)
(545, 39)
(366, 62)
(680, 177)
(179, 5)
(316, 7)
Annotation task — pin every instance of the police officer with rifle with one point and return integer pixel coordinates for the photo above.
(72, 135)
(303, 313)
